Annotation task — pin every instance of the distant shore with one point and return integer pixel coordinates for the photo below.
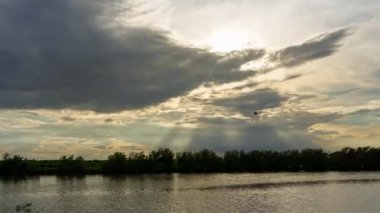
(164, 160)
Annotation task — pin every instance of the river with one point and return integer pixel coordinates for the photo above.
(243, 192)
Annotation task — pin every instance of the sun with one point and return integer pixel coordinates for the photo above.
(227, 40)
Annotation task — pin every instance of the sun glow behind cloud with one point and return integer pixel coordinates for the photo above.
(226, 40)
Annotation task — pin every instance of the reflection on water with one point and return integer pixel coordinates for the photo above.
(264, 192)
(289, 184)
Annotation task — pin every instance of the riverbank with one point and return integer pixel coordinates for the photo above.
(205, 161)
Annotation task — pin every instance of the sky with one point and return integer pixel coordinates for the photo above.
(93, 77)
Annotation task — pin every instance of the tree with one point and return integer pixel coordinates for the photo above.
(13, 165)
(208, 161)
(235, 161)
(116, 163)
(69, 165)
(161, 160)
(185, 162)
(313, 160)
(138, 163)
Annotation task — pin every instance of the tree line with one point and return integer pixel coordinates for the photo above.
(165, 160)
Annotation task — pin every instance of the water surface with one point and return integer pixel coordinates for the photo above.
(263, 192)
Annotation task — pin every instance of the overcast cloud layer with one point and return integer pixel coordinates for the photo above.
(89, 77)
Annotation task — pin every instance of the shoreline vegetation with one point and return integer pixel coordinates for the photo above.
(165, 160)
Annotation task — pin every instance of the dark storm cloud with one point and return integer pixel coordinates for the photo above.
(321, 46)
(66, 54)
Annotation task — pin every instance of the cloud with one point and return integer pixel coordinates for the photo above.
(280, 125)
(76, 55)
(247, 103)
(335, 135)
(63, 57)
(53, 147)
(222, 134)
(67, 118)
(292, 76)
(108, 120)
(318, 47)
